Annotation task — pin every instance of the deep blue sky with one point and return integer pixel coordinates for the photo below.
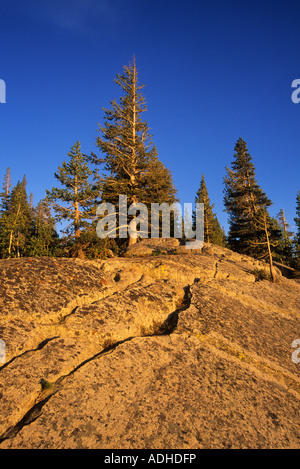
(213, 71)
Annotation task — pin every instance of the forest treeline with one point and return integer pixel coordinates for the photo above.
(128, 164)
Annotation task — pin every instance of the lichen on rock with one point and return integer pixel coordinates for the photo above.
(187, 343)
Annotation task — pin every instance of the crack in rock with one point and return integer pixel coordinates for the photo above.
(167, 328)
(40, 346)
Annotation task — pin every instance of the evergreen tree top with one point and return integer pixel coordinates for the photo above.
(202, 193)
(241, 187)
(242, 164)
(129, 155)
(297, 218)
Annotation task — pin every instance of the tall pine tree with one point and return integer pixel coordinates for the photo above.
(247, 205)
(6, 191)
(213, 232)
(131, 165)
(44, 238)
(16, 223)
(296, 240)
(284, 249)
(75, 200)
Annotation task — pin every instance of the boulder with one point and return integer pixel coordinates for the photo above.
(103, 354)
(152, 246)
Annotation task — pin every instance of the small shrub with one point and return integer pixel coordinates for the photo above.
(108, 342)
(156, 252)
(45, 384)
(157, 328)
(260, 274)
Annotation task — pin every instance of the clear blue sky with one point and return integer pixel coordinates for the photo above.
(213, 71)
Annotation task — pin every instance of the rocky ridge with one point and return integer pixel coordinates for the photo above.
(163, 348)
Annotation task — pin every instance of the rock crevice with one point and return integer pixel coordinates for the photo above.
(187, 342)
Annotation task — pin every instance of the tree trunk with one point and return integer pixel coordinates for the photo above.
(80, 253)
(132, 240)
(78, 247)
(18, 244)
(76, 222)
(272, 273)
(10, 243)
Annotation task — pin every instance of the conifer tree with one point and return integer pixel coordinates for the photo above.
(3, 209)
(284, 249)
(75, 200)
(16, 223)
(6, 190)
(297, 218)
(244, 201)
(296, 240)
(43, 241)
(213, 232)
(267, 236)
(284, 225)
(131, 164)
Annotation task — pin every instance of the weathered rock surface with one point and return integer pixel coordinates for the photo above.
(166, 348)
